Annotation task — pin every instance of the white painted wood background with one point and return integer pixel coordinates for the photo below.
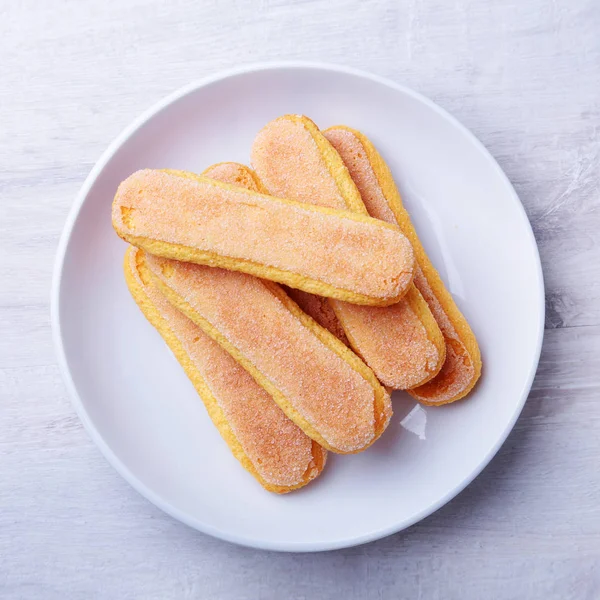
(523, 75)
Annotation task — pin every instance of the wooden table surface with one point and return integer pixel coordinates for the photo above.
(523, 75)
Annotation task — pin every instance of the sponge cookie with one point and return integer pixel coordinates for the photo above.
(274, 450)
(235, 174)
(319, 383)
(462, 366)
(207, 222)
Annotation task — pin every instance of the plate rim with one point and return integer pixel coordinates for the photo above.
(105, 449)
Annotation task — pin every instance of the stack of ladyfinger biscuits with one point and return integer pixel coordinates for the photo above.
(295, 296)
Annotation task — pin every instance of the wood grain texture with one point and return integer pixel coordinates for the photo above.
(523, 76)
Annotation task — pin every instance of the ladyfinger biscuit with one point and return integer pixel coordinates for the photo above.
(319, 383)
(320, 250)
(462, 367)
(401, 343)
(262, 438)
(272, 448)
(235, 174)
(232, 173)
(315, 306)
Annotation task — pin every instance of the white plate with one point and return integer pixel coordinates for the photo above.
(142, 412)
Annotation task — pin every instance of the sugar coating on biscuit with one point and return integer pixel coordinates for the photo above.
(392, 340)
(349, 254)
(287, 161)
(279, 450)
(334, 398)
